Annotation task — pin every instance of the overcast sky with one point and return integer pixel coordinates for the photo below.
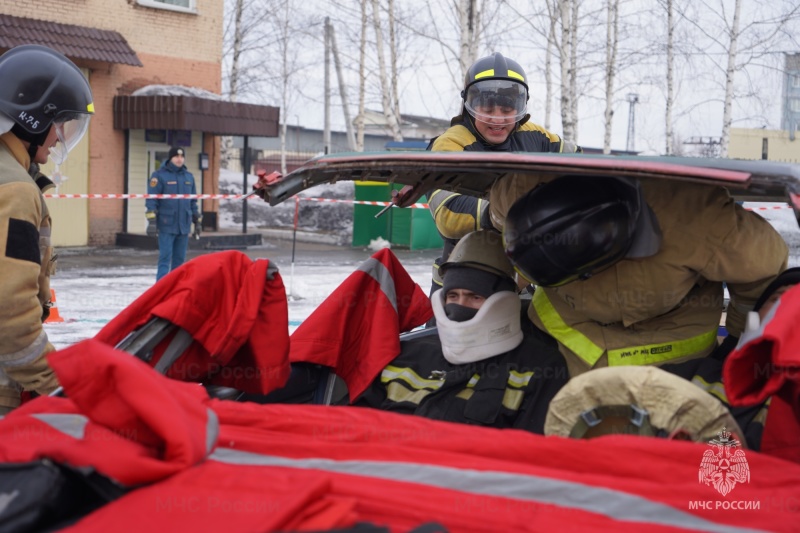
(429, 86)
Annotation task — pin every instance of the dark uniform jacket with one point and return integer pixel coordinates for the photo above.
(511, 390)
(174, 216)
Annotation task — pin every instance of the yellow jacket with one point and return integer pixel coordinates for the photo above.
(26, 264)
(663, 308)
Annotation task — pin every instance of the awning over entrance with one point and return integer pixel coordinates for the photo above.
(75, 42)
(172, 112)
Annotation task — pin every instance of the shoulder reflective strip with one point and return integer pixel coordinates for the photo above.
(657, 353)
(212, 430)
(26, 355)
(484, 74)
(436, 203)
(68, 424)
(380, 273)
(512, 74)
(473, 380)
(478, 215)
(396, 392)
(615, 504)
(408, 375)
(573, 339)
(519, 379)
(715, 388)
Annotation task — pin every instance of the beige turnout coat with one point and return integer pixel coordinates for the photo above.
(26, 265)
(667, 307)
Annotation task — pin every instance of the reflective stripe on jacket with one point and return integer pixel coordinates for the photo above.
(670, 302)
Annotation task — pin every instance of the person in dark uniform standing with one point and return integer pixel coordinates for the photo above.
(171, 219)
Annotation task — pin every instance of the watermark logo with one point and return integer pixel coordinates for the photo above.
(724, 464)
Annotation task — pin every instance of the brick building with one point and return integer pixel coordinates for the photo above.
(122, 47)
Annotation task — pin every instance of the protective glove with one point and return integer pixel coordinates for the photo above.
(152, 228)
(198, 220)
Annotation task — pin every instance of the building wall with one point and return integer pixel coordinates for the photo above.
(748, 143)
(175, 48)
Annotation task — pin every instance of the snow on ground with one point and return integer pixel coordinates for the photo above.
(88, 299)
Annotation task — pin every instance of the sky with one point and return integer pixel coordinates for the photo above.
(429, 83)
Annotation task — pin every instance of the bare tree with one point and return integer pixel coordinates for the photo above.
(723, 33)
(386, 91)
(362, 81)
(569, 120)
(669, 145)
(612, 42)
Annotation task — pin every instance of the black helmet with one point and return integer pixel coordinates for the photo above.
(41, 87)
(573, 227)
(495, 82)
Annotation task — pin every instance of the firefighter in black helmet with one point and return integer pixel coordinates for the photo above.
(493, 118)
(45, 106)
(631, 272)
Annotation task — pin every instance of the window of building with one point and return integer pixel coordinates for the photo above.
(794, 104)
(185, 6)
(796, 80)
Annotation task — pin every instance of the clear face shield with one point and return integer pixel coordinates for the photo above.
(499, 102)
(69, 134)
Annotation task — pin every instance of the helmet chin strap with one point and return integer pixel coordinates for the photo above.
(34, 140)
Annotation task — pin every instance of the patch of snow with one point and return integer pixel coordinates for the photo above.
(379, 244)
(177, 90)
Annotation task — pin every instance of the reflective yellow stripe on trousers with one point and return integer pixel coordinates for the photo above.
(590, 352)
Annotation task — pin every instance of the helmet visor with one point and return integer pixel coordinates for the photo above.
(69, 134)
(498, 102)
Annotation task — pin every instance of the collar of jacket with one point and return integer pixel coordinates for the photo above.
(468, 122)
(169, 165)
(17, 149)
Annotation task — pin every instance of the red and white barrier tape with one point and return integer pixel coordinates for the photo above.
(214, 197)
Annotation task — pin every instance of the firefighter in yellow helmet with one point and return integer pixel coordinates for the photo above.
(45, 106)
(493, 118)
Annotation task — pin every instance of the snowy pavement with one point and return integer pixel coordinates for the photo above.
(87, 298)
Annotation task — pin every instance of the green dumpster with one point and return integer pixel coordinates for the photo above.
(411, 228)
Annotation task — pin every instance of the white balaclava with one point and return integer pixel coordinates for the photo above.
(469, 335)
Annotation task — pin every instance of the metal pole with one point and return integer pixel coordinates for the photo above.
(294, 244)
(326, 135)
(246, 165)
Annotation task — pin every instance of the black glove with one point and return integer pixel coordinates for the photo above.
(152, 228)
(198, 220)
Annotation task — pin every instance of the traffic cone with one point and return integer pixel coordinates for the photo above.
(54, 316)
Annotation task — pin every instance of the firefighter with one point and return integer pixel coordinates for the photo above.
(493, 118)
(45, 107)
(482, 367)
(630, 272)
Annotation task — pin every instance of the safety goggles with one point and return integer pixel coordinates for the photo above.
(499, 102)
(69, 133)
